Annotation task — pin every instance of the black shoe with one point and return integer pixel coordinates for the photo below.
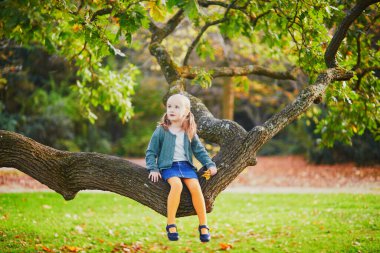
(204, 237)
(172, 236)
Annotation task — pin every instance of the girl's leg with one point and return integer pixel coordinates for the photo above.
(173, 200)
(198, 201)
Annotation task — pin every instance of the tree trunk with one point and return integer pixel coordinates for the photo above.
(228, 99)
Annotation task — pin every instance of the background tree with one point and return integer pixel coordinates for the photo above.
(288, 38)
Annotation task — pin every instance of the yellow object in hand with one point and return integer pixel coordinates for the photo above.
(207, 174)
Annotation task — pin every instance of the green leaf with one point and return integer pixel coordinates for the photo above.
(203, 78)
(156, 11)
(171, 3)
(191, 8)
(49, 45)
(204, 49)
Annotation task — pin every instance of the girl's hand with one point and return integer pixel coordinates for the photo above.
(209, 172)
(154, 176)
(213, 170)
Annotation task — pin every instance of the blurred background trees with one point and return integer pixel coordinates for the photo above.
(65, 83)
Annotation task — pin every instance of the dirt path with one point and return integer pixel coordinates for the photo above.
(275, 174)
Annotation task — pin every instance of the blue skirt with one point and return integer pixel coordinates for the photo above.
(181, 169)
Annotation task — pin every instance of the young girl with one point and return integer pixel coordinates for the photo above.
(173, 143)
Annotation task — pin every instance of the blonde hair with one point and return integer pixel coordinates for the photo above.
(188, 125)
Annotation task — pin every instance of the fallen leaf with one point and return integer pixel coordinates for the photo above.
(71, 248)
(188, 250)
(137, 246)
(121, 247)
(44, 248)
(225, 246)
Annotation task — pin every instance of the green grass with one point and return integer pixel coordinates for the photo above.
(97, 222)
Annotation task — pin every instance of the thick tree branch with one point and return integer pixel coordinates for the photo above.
(68, 173)
(340, 34)
(167, 64)
(163, 57)
(158, 34)
(215, 130)
(191, 72)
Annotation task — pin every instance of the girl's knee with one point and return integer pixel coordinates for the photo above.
(195, 189)
(177, 187)
(175, 184)
(193, 185)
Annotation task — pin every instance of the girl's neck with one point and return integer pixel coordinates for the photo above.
(175, 130)
(176, 124)
(175, 127)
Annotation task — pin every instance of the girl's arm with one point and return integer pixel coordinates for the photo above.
(152, 151)
(200, 153)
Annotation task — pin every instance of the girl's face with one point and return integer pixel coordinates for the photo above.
(175, 109)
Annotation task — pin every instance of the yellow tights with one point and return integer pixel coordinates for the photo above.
(176, 187)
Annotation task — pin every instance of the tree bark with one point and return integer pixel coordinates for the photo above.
(67, 173)
(191, 72)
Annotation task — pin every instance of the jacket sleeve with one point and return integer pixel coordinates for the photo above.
(200, 152)
(152, 152)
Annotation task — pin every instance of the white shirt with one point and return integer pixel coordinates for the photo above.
(179, 150)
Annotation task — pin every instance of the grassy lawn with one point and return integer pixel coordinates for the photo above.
(105, 222)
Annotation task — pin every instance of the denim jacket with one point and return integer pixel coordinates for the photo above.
(161, 147)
